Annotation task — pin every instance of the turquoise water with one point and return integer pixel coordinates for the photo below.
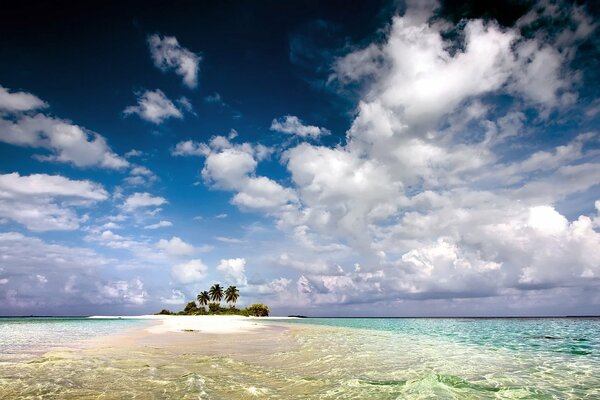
(316, 358)
(23, 337)
(572, 336)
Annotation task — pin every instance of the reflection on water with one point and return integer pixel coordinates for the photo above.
(330, 363)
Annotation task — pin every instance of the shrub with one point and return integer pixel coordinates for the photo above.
(190, 308)
(258, 310)
(201, 311)
(214, 308)
(165, 312)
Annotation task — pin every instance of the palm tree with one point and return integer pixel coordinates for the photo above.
(203, 298)
(216, 292)
(232, 294)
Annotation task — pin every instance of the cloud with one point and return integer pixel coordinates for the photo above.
(154, 106)
(189, 272)
(160, 224)
(43, 202)
(234, 270)
(50, 277)
(294, 126)
(230, 240)
(169, 55)
(19, 101)
(231, 167)
(262, 193)
(175, 246)
(190, 148)
(134, 153)
(439, 192)
(68, 143)
(177, 298)
(142, 199)
(127, 292)
(140, 176)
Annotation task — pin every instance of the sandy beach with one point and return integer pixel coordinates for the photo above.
(209, 324)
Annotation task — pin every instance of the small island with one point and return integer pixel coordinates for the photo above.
(212, 299)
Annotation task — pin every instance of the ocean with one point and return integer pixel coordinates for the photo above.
(315, 358)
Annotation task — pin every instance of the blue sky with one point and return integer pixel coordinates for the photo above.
(380, 158)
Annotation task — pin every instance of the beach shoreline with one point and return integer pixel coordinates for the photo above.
(209, 324)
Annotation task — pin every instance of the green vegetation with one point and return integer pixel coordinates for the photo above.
(258, 310)
(165, 312)
(212, 299)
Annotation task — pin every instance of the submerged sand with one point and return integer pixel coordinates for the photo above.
(224, 335)
(206, 357)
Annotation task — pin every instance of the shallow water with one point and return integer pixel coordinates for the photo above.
(334, 359)
(20, 338)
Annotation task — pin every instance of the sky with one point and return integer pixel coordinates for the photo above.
(334, 158)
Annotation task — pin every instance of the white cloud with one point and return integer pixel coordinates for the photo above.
(140, 176)
(547, 221)
(234, 270)
(189, 272)
(228, 168)
(138, 200)
(231, 166)
(134, 153)
(176, 247)
(177, 297)
(169, 55)
(190, 148)
(67, 142)
(123, 292)
(294, 126)
(154, 106)
(160, 224)
(33, 200)
(426, 197)
(19, 101)
(263, 193)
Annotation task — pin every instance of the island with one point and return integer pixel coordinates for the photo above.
(212, 299)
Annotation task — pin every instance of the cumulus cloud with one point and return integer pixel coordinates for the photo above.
(169, 55)
(127, 292)
(154, 106)
(43, 202)
(426, 199)
(294, 126)
(140, 176)
(175, 246)
(67, 143)
(142, 199)
(19, 101)
(189, 272)
(234, 270)
(232, 166)
(190, 148)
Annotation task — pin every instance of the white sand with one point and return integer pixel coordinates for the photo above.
(200, 323)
